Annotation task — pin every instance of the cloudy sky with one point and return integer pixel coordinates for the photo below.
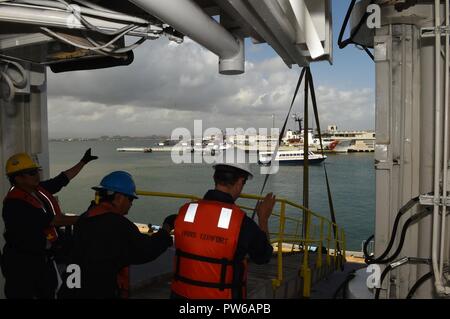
(169, 86)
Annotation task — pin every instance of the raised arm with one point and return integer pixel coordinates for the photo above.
(144, 248)
(73, 171)
(264, 210)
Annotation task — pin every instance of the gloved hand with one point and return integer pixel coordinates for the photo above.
(87, 157)
(170, 221)
(264, 210)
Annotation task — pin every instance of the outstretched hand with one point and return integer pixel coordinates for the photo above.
(265, 207)
(169, 221)
(87, 157)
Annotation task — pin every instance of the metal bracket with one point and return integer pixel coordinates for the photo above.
(428, 200)
(399, 262)
(384, 165)
(432, 31)
(411, 260)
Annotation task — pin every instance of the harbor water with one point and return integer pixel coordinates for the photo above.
(352, 179)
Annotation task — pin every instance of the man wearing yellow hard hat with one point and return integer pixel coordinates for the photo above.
(30, 214)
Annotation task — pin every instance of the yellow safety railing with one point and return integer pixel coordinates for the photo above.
(292, 236)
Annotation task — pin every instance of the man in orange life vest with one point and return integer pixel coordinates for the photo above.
(106, 242)
(213, 237)
(31, 213)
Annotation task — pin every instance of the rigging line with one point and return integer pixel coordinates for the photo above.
(306, 159)
(370, 54)
(302, 74)
(316, 115)
(343, 43)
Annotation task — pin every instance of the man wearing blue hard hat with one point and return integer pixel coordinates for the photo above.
(106, 242)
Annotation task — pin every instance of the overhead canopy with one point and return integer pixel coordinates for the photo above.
(298, 30)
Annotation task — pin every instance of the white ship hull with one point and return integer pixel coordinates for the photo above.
(290, 158)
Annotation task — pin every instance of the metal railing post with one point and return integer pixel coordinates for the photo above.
(296, 232)
(277, 282)
(280, 240)
(319, 253)
(336, 261)
(329, 246)
(344, 246)
(306, 271)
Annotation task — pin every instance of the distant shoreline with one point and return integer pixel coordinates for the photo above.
(108, 138)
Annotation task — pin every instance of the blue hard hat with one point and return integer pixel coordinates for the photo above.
(118, 182)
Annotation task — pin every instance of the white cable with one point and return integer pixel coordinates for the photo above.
(43, 3)
(9, 82)
(62, 38)
(96, 6)
(130, 47)
(64, 6)
(154, 30)
(121, 50)
(21, 71)
(86, 23)
(101, 52)
(115, 53)
(114, 16)
(104, 13)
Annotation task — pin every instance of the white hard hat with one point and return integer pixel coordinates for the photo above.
(244, 167)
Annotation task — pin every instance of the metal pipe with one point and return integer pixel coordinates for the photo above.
(426, 161)
(403, 108)
(437, 135)
(446, 137)
(63, 19)
(270, 10)
(437, 152)
(307, 27)
(84, 10)
(188, 18)
(264, 31)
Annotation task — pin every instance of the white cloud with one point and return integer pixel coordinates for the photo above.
(169, 86)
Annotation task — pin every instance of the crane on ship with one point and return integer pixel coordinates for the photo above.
(408, 41)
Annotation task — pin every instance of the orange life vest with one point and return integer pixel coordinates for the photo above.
(123, 277)
(206, 238)
(16, 193)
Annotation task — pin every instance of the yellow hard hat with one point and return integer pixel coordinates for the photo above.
(20, 162)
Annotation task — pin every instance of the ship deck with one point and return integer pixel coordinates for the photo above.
(259, 285)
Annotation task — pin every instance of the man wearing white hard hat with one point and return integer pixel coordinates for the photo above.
(213, 237)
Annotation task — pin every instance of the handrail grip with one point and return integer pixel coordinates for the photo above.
(170, 195)
(288, 202)
(247, 196)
